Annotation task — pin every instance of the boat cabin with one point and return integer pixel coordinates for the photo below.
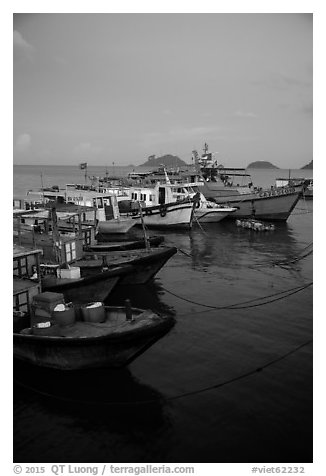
(163, 192)
(82, 195)
(26, 277)
(41, 230)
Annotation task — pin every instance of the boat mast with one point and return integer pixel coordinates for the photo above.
(42, 186)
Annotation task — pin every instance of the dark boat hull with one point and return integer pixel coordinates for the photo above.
(145, 264)
(96, 287)
(105, 351)
(123, 245)
(147, 267)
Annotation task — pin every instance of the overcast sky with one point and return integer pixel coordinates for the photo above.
(107, 88)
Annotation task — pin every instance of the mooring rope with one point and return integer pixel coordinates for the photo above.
(173, 397)
(241, 305)
(298, 257)
(280, 263)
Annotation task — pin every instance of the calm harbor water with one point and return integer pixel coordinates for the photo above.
(231, 382)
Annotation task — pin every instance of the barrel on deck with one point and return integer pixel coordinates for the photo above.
(93, 312)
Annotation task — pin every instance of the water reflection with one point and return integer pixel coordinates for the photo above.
(230, 246)
(102, 401)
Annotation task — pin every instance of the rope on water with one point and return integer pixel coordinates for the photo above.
(175, 397)
(197, 221)
(301, 255)
(280, 263)
(184, 253)
(245, 304)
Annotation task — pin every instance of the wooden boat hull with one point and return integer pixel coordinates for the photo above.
(123, 245)
(114, 349)
(116, 226)
(146, 267)
(95, 287)
(169, 215)
(145, 263)
(277, 205)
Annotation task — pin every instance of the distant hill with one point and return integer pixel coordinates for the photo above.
(261, 164)
(168, 160)
(308, 166)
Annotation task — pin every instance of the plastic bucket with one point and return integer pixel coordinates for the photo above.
(93, 314)
(64, 318)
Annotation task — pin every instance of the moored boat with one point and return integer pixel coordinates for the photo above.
(123, 245)
(170, 195)
(145, 263)
(305, 185)
(234, 186)
(67, 269)
(104, 336)
(98, 204)
(79, 286)
(166, 215)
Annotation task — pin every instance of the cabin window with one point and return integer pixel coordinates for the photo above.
(87, 237)
(134, 196)
(70, 251)
(99, 202)
(20, 268)
(151, 197)
(143, 197)
(21, 301)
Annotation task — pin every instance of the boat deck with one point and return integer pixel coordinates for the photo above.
(115, 323)
(23, 285)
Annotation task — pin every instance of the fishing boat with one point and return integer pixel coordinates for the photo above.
(305, 185)
(66, 268)
(93, 200)
(204, 211)
(234, 186)
(81, 286)
(155, 205)
(145, 263)
(123, 245)
(93, 336)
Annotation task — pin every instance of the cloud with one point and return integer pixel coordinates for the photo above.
(283, 81)
(86, 150)
(23, 143)
(176, 134)
(240, 113)
(23, 51)
(308, 109)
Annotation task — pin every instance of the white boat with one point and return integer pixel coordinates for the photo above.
(104, 204)
(204, 211)
(166, 215)
(158, 206)
(233, 186)
(177, 191)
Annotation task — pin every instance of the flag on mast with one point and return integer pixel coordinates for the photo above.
(83, 165)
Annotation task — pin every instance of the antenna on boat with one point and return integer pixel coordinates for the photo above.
(42, 186)
(166, 175)
(83, 166)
